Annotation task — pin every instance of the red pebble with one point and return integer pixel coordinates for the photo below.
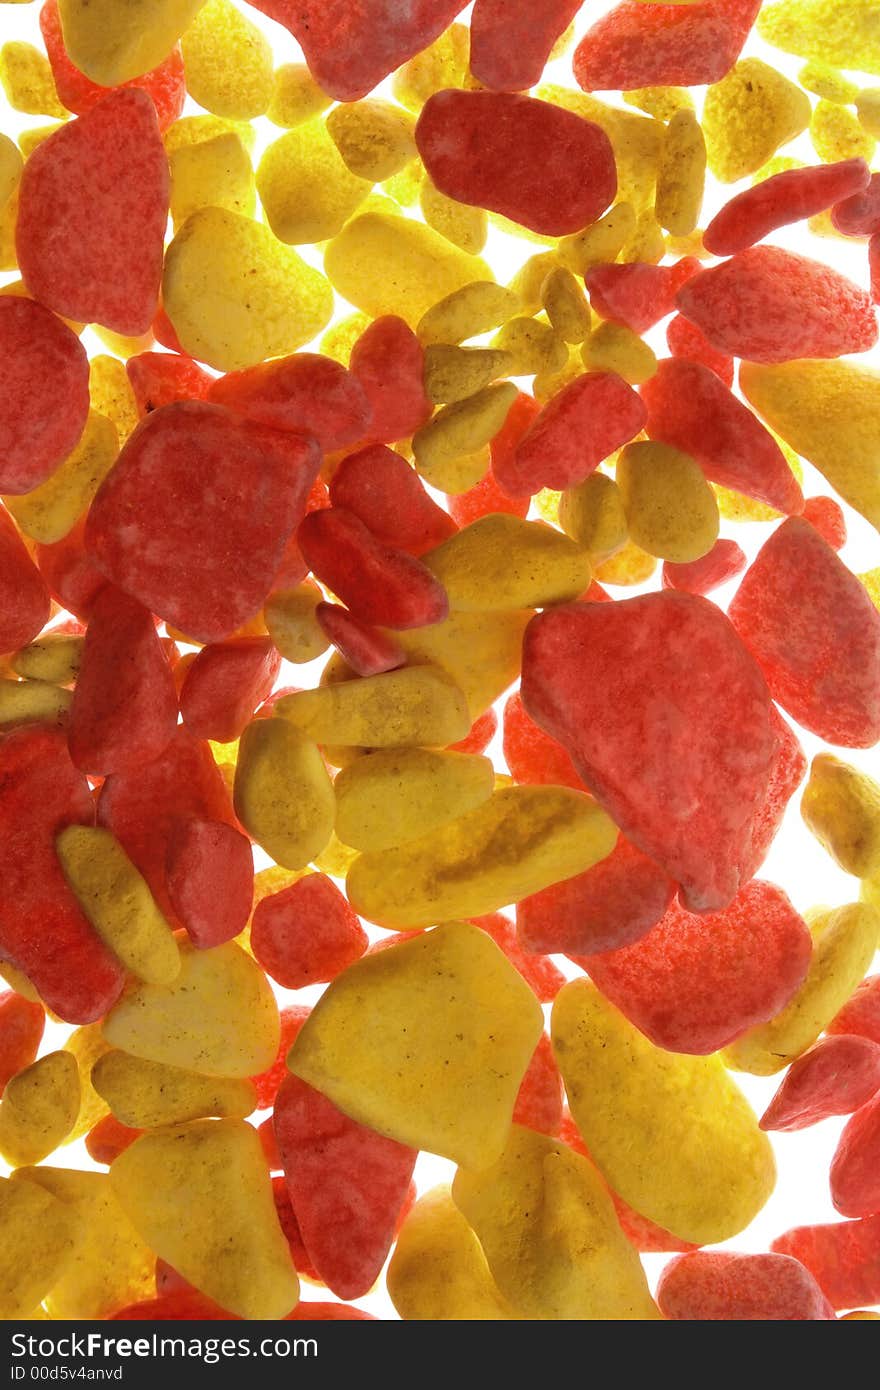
(488, 495)
(637, 294)
(351, 45)
(307, 933)
(685, 339)
(716, 567)
(538, 971)
(511, 40)
(388, 360)
(143, 807)
(93, 208)
(531, 755)
(689, 407)
(269, 1144)
(380, 584)
(859, 215)
(24, 597)
(861, 1013)
(124, 709)
(367, 650)
(109, 1138)
(292, 1233)
(770, 305)
(815, 633)
(163, 332)
(723, 1285)
(539, 1099)
(193, 518)
(305, 392)
(42, 929)
(638, 45)
(45, 400)
(292, 1019)
(160, 378)
(855, 1168)
(611, 905)
(489, 149)
(695, 983)
(782, 199)
(164, 85)
(388, 496)
(346, 1182)
(828, 518)
(21, 1029)
(224, 685)
(68, 569)
(484, 498)
(788, 767)
(481, 734)
(835, 1077)
(582, 424)
(843, 1257)
(667, 718)
(210, 878)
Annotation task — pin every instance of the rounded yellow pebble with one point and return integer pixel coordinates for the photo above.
(841, 32)
(399, 794)
(113, 41)
(520, 841)
(566, 305)
(385, 264)
(613, 347)
(841, 806)
(534, 346)
(626, 567)
(647, 244)
(464, 226)
(341, 337)
(228, 62)
(660, 102)
(500, 561)
(436, 1057)
(443, 64)
(748, 115)
(592, 514)
(26, 702)
(528, 282)
(54, 657)
(145, 1094)
(118, 902)
(474, 309)
(39, 1234)
(868, 110)
(296, 96)
(702, 1168)
(480, 652)
(453, 373)
(307, 191)
(600, 244)
(39, 1108)
(236, 295)
(418, 705)
(86, 1045)
(681, 176)
(26, 78)
(292, 625)
(837, 133)
(459, 431)
(51, 510)
(213, 173)
(283, 793)
(112, 396)
(670, 508)
(374, 137)
(828, 82)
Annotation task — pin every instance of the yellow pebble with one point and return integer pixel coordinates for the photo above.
(841, 32)
(193, 130)
(841, 806)
(228, 62)
(670, 508)
(468, 312)
(647, 244)
(528, 282)
(113, 42)
(827, 82)
(213, 173)
(438, 1272)
(441, 1050)
(307, 191)
(200, 1196)
(404, 188)
(546, 504)
(592, 514)
(551, 1236)
(748, 115)
(868, 110)
(374, 137)
(534, 346)
(341, 337)
(500, 562)
(236, 295)
(701, 1168)
(292, 625)
(453, 373)
(829, 412)
(600, 244)
(615, 348)
(118, 902)
(54, 657)
(30, 140)
(11, 165)
(518, 842)
(660, 102)
(399, 794)
(38, 1109)
(385, 264)
(481, 652)
(86, 1045)
(871, 581)
(145, 1094)
(283, 794)
(443, 64)
(39, 1234)
(681, 176)
(458, 431)
(26, 702)
(566, 305)
(843, 946)
(418, 705)
(837, 133)
(219, 1017)
(27, 80)
(54, 508)
(112, 396)
(464, 226)
(296, 96)
(628, 566)
(8, 219)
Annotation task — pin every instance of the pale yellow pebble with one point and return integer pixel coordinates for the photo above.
(415, 706)
(670, 508)
(453, 373)
(118, 902)
(442, 1045)
(868, 110)
(691, 245)
(112, 396)
(628, 566)
(458, 431)
(213, 173)
(296, 96)
(307, 191)
(122, 345)
(528, 282)
(114, 41)
(464, 226)
(30, 140)
(8, 219)
(546, 504)
(292, 625)
(397, 794)
(193, 130)
(566, 305)
(844, 940)
(681, 176)
(341, 337)
(600, 244)
(27, 80)
(283, 793)
(779, 164)
(748, 115)
(145, 1094)
(828, 82)
(51, 510)
(837, 133)
(841, 32)
(11, 165)
(336, 859)
(660, 102)
(374, 137)
(481, 652)
(647, 244)
(385, 264)
(871, 581)
(613, 347)
(86, 1045)
(841, 806)
(38, 1109)
(548, 384)
(33, 701)
(534, 346)
(404, 188)
(592, 514)
(228, 62)
(443, 64)
(39, 1234)
(219, 1017)
(17, 980)
(236, 295)
(501, 562)
(517, 843)
(54, 657)
(702, 1168)
(466, 313)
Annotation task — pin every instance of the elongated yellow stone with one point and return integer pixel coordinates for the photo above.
(418, 705)
(39, 1108)
(399, 794)
(501, 562)
(841, 805)
(681, 176)
(283, 794)
(670, 508)
(145, 1094)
